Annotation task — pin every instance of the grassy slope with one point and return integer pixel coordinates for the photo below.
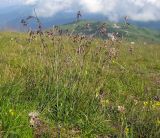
(135, 33)
(66, 87)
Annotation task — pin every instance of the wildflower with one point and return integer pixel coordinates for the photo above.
(32, 117)
(12, 113)
(145, 103)
(33, 114)
(132, 43)
(156, 105)
(121, 109)
(158, 122)
(97, 94)
(39, 127)
(135, 101)
(113, 53)
(126, 130)
(104, 102)
(131, 48)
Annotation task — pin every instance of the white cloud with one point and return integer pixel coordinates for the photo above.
(144, 10)
(31, 2)
(93, 6)
(49, 8)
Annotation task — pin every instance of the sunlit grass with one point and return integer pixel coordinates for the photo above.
(85, 95)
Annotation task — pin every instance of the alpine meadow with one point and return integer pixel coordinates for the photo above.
(83, 79)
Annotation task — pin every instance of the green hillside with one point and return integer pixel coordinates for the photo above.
(134, 33)
(78, 89)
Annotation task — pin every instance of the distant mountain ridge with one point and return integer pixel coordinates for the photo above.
(131, 33)
(10, 18)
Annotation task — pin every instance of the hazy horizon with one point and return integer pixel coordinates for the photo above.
(137, 10)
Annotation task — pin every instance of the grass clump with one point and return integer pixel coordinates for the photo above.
(78, 94)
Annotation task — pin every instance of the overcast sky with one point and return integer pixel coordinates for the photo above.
(141, 10)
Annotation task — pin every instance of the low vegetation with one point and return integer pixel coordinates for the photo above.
(78, 87)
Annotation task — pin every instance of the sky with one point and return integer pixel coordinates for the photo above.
(139, 10)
